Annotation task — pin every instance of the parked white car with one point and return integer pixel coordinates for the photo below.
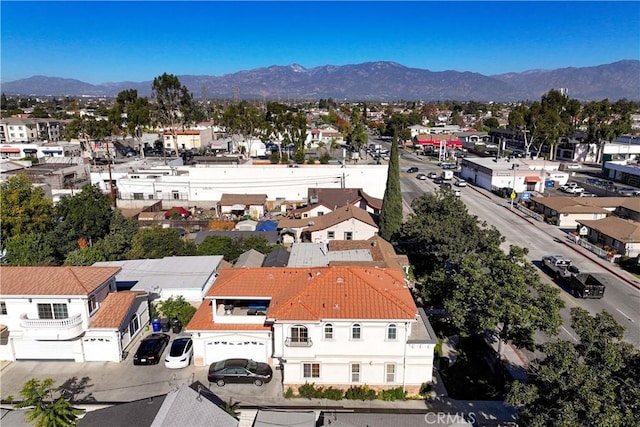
(180, 353)
(573, 166)
(574, 190)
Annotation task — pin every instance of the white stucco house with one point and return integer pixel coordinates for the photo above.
(67, 313)
(333, 326)
(345, 223)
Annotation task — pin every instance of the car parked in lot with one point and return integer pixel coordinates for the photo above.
(574, 190)
(150, 349)
(239, 371)
(573, 166)
(421, 176)
(180, 353)
(412, 169)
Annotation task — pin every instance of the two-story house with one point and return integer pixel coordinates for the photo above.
(345, 223)
(332, 326)
(325, 200)
(67, 313)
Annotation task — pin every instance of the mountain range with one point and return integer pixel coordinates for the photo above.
(370, 81)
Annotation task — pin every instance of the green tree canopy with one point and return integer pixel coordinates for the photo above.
(595, 382)
(174, 104)
(84, 256)
(43, 408)
(220, 245)
(83, 216)
(391, 213)
(32, 249)
(23, 209)
(177, 308)
(159, 242)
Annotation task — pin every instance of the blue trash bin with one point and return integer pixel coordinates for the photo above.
(156, 325)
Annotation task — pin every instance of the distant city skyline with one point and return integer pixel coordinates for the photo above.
(99, 42)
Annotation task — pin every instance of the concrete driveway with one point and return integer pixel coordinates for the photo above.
(99, 382)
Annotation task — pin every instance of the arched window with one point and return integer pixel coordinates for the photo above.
(299, 334)
(392, 332)
(356, 332)
(328, 331)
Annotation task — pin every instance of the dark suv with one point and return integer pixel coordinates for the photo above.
(239, 371)
(150, 349)
(412, 170)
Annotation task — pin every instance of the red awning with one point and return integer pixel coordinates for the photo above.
(532, 178)
(9, 150)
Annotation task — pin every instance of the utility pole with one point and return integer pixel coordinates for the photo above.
(113, 194)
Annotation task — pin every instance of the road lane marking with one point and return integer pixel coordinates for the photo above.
(569, 333)
(622, 312)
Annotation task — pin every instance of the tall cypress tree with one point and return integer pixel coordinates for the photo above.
(391, 213)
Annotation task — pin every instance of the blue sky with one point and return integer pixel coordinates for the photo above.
(99, 42)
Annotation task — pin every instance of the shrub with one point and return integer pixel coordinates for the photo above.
(289, 393)
(360, 393)
(438, 348)
(393, 394)
(426, 388)
(333, 394)
(307, 390)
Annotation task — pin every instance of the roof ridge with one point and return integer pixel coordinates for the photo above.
(73, 273)
(385, 295)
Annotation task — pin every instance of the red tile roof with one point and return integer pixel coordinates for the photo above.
(114, 309)
(321, 293)
(53, 280)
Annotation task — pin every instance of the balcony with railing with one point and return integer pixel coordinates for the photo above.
(298, 342)
(52, 329)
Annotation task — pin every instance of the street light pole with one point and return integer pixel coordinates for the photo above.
(513, 189)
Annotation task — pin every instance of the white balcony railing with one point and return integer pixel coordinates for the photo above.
(298, 342)
(52, 329)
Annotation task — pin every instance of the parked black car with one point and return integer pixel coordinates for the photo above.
(150, 349)
(239, 371)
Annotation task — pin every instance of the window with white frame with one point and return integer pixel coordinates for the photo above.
(331, 235)
(348, 235)
(311, 370)
(92, 304)
(390, 373)
(299, 333)
(392, 332)
(52, 311)
(328, 331)
(356, 331)
(3, 308)
(134, 325)
(355, 372)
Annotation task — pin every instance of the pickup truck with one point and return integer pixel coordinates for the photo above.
(560, 267)
(585, 285)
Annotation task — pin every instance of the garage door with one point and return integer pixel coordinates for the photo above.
(235, 348)
(99, 349)
(53, 350)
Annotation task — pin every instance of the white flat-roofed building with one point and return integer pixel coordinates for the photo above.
(170, 277)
